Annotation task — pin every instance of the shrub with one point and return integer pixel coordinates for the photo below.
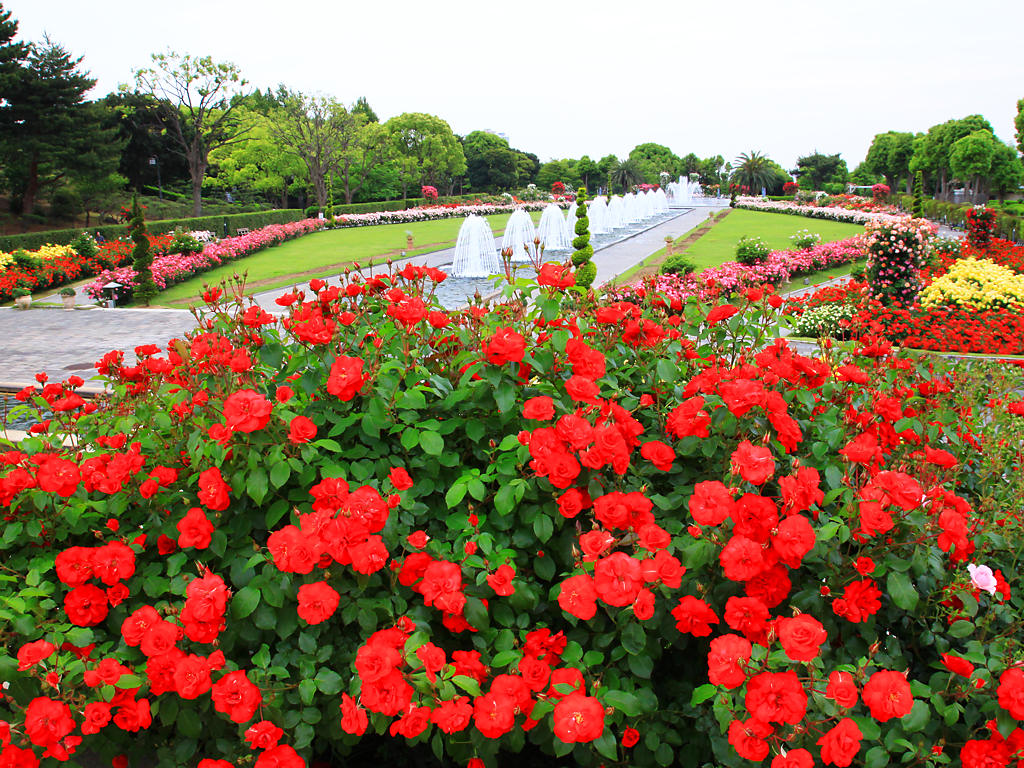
(829, 320)
(917, 210)
(751, 250)
(804, 239)
(896, 252)
(981, 223)
(85, 245)
(473, 538)
(185, 242)
(677, 264)
(790, 188)
(586, 270)
(142, 259)
(880, 192)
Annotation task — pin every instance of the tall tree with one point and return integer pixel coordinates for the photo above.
(626, 174)
(1006, 172)
(971, 161)
(12, 57)
(932, 151)
(362, 107)
(318, 130)
(753, 170)
(426, 151)
(816, 169)
(889, 155)
(587, 169)
(52, 135)
(198, 96)
(257, 166)
(148, 155)
(490, 162)
(652, 159)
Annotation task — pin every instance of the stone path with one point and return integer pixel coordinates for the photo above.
(67, 342)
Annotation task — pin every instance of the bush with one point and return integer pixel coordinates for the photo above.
(804, 239)
(65, 204)
(85, 245)
(473, 538)
(833, 187)
(751, 250)
(829, 320)
(677, 264)
(896, 254)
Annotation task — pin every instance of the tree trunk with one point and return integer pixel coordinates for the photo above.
(28, 200)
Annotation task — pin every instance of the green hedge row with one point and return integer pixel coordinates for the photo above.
(1008, 226)
(219, 225)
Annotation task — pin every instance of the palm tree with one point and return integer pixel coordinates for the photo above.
(753, 171)
(626, 173)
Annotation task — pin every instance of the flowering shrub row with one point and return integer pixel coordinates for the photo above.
(861, 215)
(779, 267)
(896, 253)
(171, 268)
(627, 532)
(430, 213)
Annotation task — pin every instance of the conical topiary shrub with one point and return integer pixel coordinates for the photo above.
(586, 270)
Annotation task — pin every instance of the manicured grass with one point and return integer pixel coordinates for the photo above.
(719, 244)
(323, 254)
(816, 278)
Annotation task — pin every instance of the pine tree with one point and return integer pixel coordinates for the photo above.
(586, 270)
(145, 289)
(918, 208)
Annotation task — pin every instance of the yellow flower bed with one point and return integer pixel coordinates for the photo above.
(977, 283)
(6, 260)
(49, 251)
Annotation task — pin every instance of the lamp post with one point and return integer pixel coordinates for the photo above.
(154, 160)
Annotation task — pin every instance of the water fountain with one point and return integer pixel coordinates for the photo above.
(519, 236)
(630, 212)
(570, 218)
(660, 201)
(554, 233)
(597, 213)
(646, 204)
(683, 192)
(614, 219)
(475, 254)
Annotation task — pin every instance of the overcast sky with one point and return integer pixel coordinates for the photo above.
(564, 79)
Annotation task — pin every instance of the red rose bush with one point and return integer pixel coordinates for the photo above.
(583, 533)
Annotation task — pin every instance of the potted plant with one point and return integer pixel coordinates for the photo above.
(22, 297)
(408, 240)
(67, 296)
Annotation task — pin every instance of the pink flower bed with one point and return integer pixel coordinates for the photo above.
(172, 268)
(779, 267)
(429, 213)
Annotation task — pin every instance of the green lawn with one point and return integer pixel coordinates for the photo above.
(719, 244)
(323, 254)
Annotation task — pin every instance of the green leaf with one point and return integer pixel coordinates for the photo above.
(328, 681)
(702, 693)
(189, 723)
(245, 601)
(279, 474)
(256, 484)
(901, 590)
(543, 527)
(961, 628)
(455, 495)
(634, 639)
(605, 744)
(641, 665)
(307, 690)
(917, 718)
(504, 658)
(505, 396)
(468, 684)
(876, 757)
(431, 443)
(627, 703)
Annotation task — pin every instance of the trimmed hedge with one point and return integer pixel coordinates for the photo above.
(1008, 226)
(230, 224)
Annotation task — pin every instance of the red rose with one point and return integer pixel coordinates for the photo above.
(1011, 692)
(494, 714)
(57, 475)
(842, 689)
(776, 697)
(720, 313)
(194, 530)
(317, 602)
(292, 550)
(582, 390)
(794, 758)
(726, 660)
(747, 737)
(860, 601)
(346, 377)
(794, 537)
(617, 579)
(501, 580)
(263, 735)
(741, 559)
(801, 637)
(213, 491)
(400, 479)
(695, 616)
(643, 605)
(659, 454)
(453, 715)
(630, 738)
(540, 408)
(841, 744)
(281, 756)
(301, 430)
(192, 676)
(711, 502)
(97, 717)
(47, 721)
(246, 411)
(572, 502)
(113, 562)
(689, 419)
(578, 718)
(86, 605)
(578, 597)
(31, 654)
(236, 696)
(74, 566)
(504, 346)
(753, 463)
(354, 719)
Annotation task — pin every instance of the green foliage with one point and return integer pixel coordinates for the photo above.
(825, 320)
(917, 211)
(584, 251)
(142, 258)
(677, 264)
(425, 150)
(804, 239)
(816, 169)
(752, 250)
(85, 245)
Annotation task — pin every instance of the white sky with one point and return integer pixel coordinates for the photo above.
(563, 78)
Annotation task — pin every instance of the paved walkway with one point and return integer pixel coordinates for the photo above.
(66, 342)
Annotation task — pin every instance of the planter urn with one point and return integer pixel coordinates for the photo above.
(23, 302)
